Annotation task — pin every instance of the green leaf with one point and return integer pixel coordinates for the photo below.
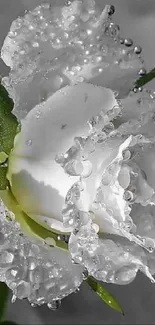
(104, 294)
(4, 293)
(8, 122)
(3, 180)
(145, 79)
(8, 322)
(3, 157)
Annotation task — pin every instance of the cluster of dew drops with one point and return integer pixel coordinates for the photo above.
(113, 30)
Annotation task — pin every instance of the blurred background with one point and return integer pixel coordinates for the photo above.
(137, 20)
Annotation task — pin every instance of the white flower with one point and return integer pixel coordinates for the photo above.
(82, 167)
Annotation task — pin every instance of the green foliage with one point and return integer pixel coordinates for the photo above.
(104, 294)
(4, 293)
(145, 79)
(8, 122)
(8, 130)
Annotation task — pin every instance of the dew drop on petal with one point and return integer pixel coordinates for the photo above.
(137, 49)
(54, 305)
(128, 42)
(29, 142)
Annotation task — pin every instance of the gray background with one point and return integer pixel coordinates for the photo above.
(137, 20)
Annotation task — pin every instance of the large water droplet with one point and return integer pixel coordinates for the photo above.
(137, 49)
(16, 273)
(13, 299)
(32, 263)
(54, 305)
(23, 290)
(111, 10)
(36, 275)
(142, 72)
(113, 30)
(126, 155)
(6, 258)
(74, 168)
(87, 169)
(126, 274)
(128, 42)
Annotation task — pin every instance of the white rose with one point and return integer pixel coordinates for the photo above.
(82, 166)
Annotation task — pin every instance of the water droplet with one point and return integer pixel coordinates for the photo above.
(113, 30)
(74, 168)
(85, 274)
(126, 155)
(135, 89)
(29, 142)
(36, 275)
(71, 222)
(106, 179)
(116, 93)
(87, 169)
(32, 263)
(6, 258)
(33, 305)
(126, 274)
(111, 10)
(121, 40)
(128, 42)
(149, 244)
(38, 114)
(89, 32)
(95, 227)
(108, 128)
(16, 273)
(22, 52)
(50, 242)
(23, 290)
(60, 159)
(35, 44)
(54, 305)
(140, 89)
(137, 49)
(100, 70)
(13, 299)
(128, 196)
(80, 79)
(86, 61)
(68, 3)
(142, 72)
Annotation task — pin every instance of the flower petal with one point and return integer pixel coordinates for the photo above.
(55, 46)
(137, 116)
(117, 182)
(32, 270)
(139, 188)
(112, 260)
(38, 183)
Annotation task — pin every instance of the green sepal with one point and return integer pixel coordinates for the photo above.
(145, 79)
(104, 294)
(4, 294)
